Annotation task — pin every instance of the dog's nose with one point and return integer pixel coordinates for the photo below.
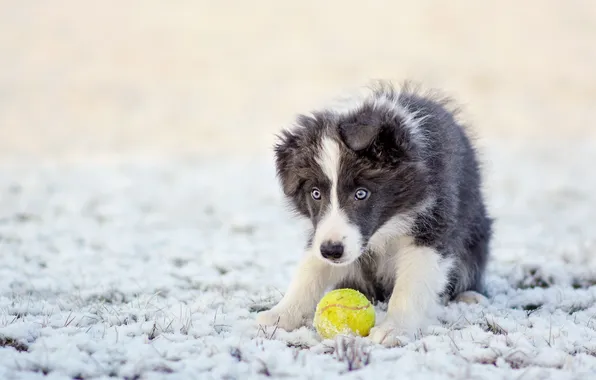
(332, 250)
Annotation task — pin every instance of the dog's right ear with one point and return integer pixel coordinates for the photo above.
(286, 150)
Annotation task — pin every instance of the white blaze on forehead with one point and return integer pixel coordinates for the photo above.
(335, 226)
(328, 159)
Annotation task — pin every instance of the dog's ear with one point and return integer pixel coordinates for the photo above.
(286, 150)
(358, 136)
(382, 130)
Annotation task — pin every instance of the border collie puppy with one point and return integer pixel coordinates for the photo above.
(392, 186)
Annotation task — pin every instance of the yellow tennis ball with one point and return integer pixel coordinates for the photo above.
(344, 311)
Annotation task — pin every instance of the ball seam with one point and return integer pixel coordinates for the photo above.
(344, 306)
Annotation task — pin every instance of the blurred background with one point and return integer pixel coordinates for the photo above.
(81, 79)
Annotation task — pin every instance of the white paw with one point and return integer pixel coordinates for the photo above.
(471, 297)
(282, 318)
(389, 334)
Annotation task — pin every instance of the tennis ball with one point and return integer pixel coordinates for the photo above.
(344, 311)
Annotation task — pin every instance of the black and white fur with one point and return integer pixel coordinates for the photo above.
(393, 189)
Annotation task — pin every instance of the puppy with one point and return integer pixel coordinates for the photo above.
(392, 186)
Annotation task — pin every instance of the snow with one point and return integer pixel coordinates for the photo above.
(154, 268)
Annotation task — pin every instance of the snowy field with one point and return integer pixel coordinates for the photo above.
(154, 269)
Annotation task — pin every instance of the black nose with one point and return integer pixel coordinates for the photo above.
(332, 250)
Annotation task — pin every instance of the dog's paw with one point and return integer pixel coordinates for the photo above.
(281, 318)
(471, 298)
(389, 334)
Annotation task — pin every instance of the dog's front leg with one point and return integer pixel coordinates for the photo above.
(310, 281)
(421, 275)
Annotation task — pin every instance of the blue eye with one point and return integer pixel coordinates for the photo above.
(361, 194)
(315, 194)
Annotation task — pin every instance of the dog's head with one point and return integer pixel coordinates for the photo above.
(354, 173)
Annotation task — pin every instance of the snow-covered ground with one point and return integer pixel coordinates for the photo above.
(154, 268)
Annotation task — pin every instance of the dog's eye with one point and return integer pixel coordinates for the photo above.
(361, 194)
(315, 194)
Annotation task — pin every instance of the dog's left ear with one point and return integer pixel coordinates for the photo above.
(358, 137)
